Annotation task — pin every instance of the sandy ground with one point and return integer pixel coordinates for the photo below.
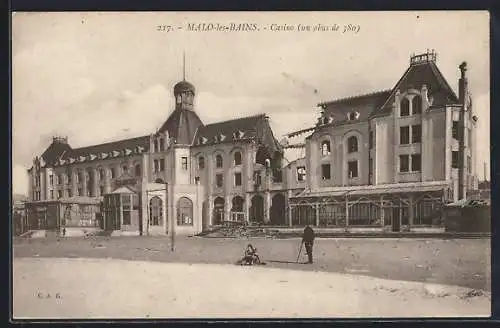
(460, 262)
(111, 288)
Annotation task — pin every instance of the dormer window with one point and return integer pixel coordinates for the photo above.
(416, 105)
(405, 107)
(353, 116)
(202, 140)
(325, 148)
(238, 134)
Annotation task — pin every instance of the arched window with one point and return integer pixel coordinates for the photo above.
(218, 161)
(325, 148)
(416, 105)
(352, 144)
(138, 170)
(237, 158)
(237, 204)
(201, 162)
(184, 211)
(405, 107)
(155, 211)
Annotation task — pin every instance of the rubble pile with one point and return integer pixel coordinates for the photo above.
(241, 232)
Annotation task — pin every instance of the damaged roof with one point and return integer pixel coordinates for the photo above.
(182, 125)
(246, 128)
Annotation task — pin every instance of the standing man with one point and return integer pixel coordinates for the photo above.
(308, 240)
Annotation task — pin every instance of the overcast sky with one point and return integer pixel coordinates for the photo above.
(98, 77)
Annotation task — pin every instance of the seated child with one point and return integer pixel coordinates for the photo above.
(251, 255)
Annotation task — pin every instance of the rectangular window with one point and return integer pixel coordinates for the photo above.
(79, 177)
(162, 165)
(69, 177)
(416, 133)
(80, 192)
(301, 173)
(59, 194)
(352, 169)
(404, 135)
(162, 144)
(454, 130)
(325, 171)
(113, 173)
(237, 179)
(469, 164)
(370, 140)
(257, 178)
(156, 169)
(60, 179)
(469, 137)
(218, 180)
(277, 175)
(101, 190)
(52, 194)
(454, 159)
(416, 162)
(51, 179)
(184, 163)
(404, 163)
(70, 193)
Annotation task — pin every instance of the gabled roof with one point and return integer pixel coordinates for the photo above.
(363, 104)
(246, 128)
(108, 147)
(55, 151)
(415, 77)
(182, 125)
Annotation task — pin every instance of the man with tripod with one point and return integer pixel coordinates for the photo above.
(308, 240)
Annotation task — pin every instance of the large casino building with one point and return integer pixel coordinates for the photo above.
(386, 160)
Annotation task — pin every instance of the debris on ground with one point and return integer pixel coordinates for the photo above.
(241, 232)
(472, 293)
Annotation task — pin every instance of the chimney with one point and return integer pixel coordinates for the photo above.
(462, 95)
(462, 83)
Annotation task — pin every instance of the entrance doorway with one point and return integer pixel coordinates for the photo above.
(218, 215)
(278, 215)
(257, 209)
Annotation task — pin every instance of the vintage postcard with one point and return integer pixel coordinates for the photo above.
(250, 165)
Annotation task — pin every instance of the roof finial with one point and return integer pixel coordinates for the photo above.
(184, 66)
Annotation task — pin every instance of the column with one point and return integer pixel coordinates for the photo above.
(346, 212)
(289, 207)
(267, 205)
(85, 182)
(316, 210)
(96, 183)
(210, 208)
(227, 208)
(107, 180)
(74, 185)
(410, 211)
(248, 202)
(382, 211)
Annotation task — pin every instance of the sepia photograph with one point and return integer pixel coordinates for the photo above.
(221, 165)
